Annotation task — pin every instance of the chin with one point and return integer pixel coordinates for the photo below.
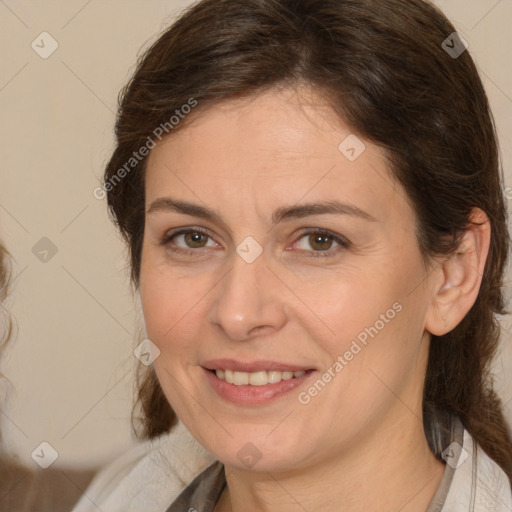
(257, 452)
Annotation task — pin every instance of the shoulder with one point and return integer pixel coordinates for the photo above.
(149, 476)
(478, 482)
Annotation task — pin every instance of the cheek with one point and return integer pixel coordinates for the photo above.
(375, 320)
(167, 302)
(350, 302)
(384, 356)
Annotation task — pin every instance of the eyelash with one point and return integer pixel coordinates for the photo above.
(343, 242)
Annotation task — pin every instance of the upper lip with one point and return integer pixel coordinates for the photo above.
(252, 366)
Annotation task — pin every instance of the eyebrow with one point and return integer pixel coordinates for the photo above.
(167, 204)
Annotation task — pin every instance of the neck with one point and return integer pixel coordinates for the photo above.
(392, 471)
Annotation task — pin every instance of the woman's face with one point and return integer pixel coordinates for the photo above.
(239, 274)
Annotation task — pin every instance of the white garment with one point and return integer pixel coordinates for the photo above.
(149, 477)
(478, 484)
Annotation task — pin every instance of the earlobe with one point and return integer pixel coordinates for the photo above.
(462, 274)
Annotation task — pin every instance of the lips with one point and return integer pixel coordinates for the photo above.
(255, 383)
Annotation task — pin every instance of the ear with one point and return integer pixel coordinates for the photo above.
(460, 277)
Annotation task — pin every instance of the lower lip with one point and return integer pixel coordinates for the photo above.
(254, 395)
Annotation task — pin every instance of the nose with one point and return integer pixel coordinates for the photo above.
(248, 301)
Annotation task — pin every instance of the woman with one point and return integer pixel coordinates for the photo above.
(311, 195)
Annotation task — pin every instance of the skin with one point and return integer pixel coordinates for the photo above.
(244, 158)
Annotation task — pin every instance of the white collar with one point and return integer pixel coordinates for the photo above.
(150, 476)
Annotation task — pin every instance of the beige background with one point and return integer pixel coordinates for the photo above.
(71, 364)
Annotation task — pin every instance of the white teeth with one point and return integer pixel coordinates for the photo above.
(260, 378)
(240, 378)
(274, 377)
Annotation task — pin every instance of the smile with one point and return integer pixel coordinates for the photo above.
(260, 378)
(257, 387)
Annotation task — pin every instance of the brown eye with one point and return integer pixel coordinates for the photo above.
(195, 239)
(187, 240)
(319, 243)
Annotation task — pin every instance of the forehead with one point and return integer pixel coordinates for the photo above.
(281, 146)
(280, 123)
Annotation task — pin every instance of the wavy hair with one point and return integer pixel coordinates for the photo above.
(6, 325)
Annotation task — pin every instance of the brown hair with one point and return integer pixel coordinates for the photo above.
(384, 69)
(6, 325)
